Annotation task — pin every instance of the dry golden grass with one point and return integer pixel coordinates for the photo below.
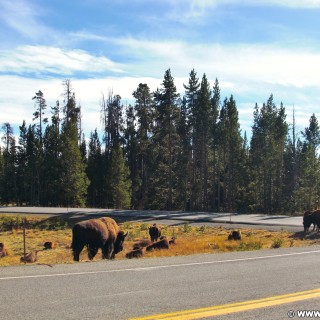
(190, 240)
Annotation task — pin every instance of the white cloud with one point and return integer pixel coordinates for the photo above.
(248, 72)
(44, 59)
(21, 16)
(309, 4)
(233, 63)
(204, 4)
(16, 102)
(193, 11)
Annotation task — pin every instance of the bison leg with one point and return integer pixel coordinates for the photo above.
(76, 252)
(107, 251)
(92, 251)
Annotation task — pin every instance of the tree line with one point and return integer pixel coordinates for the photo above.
(166, 151)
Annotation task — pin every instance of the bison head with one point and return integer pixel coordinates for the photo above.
(118, 245)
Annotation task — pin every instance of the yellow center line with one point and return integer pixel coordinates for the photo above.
(235, 307)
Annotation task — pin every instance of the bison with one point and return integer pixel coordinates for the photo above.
(49, 245)
(3, 250)
(154, 232)
(171, 241)
(141, 244)
(235, 235)
(161, 244)
(134, 253)
(100, 233)
(311, 217)
(30, 257)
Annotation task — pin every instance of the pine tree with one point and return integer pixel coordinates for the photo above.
(214, 152)
(165, 148)
(22, 164)
(7, 135)
(9, 186)
(191, 94)
(132, 152)
(235, 161)
(111, 115)
(201, 116)
(144, 114)
(184, 159)
(120, 182)
(74, 181)
(33, 159)
(112, 120)
(267, 156)
(94, 171)
(40, 105)
(308, 186)
(53, 192)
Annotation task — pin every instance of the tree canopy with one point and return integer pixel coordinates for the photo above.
(166, 151)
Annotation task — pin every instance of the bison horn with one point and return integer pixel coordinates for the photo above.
(125, 234)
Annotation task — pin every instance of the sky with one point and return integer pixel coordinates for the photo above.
(254, 48)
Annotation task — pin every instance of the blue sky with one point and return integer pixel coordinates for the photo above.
(254, 48)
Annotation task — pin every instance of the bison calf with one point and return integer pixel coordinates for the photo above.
(134, 253)
(235, 235)
(141, 244)
(154, 232)
(161, 244)
(3, 250)
(49, 245)
(30, 257)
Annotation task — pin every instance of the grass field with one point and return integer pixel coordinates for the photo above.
(190, 240)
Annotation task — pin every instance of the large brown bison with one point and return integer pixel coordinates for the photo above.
(311, 217)
(100, 233)
(154, 232)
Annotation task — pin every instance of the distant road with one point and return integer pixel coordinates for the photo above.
(169, 217)
(281, 280)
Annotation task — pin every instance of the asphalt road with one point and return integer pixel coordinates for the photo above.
(142, 287)
(271, 222)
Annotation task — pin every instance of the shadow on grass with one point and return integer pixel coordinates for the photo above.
(311, 235)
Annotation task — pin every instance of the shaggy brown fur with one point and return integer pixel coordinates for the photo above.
(3, 250)
(235, 235)
(311, 217)
(141, 244)
(30, 257)
(100, 233)
(154, 232)
(161, 244)
(49, 245)
(134, 253)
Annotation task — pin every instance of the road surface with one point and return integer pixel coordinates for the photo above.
(136, 288)
(168, 217)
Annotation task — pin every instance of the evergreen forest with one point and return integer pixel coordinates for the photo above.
(166, 151)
